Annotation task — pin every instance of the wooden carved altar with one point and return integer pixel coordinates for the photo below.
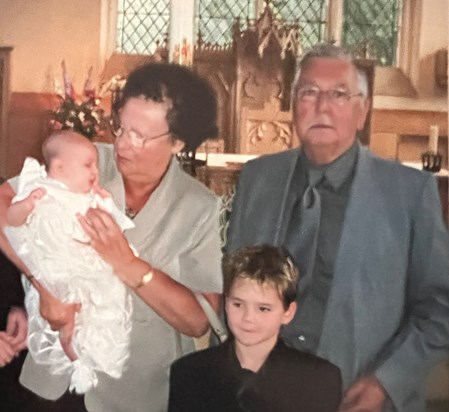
(252, 78)
(254, 72)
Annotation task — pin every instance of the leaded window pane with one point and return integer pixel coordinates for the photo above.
(216, 17)
(309, 15)
(371, 28)
(142, 25)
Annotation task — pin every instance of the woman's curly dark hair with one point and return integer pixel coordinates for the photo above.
(192, 117)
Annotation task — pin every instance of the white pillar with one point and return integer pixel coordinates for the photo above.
(335, 21)
(181, 29)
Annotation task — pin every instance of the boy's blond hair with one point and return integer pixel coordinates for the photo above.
(265, 264)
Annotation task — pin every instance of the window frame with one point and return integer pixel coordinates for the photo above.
(406, 49)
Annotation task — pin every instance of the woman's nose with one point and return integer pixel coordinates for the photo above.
(122, 142)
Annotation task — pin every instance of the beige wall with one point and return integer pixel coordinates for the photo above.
(43, 32)
(434, 36)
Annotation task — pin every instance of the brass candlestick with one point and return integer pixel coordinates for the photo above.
(431, 161)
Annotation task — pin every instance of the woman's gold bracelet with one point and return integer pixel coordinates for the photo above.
(145, 279)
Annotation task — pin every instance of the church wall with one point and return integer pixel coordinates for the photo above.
(43, 32)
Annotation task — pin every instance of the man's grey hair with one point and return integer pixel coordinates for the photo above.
(327, 50)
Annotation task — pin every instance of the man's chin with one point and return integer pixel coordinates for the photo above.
(321, 140)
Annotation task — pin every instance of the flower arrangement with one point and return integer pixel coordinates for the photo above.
(82, 114)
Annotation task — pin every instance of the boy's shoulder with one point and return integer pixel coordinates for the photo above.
(288, 369)
(206, 357)
(303, 360)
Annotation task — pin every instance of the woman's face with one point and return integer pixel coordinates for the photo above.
(144, 149)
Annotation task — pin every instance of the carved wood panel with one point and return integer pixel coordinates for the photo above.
(266, 131)
(217, 65)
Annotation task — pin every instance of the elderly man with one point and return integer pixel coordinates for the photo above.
(367, 235)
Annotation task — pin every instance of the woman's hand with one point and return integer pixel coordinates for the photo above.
(14, 339)
(65, 337)
(60, 316)
(17, 329)
(171, 300)
(7, 351)
(55, 312)
(107, 239)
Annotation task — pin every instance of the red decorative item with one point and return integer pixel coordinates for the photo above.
(79, 113)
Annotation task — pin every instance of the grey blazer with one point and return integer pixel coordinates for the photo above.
(388, 309)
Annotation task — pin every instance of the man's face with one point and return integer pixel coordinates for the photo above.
(323, 122)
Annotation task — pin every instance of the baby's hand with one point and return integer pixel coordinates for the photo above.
(103, 193)
(37, 194)
(18, 212)
(34, 197)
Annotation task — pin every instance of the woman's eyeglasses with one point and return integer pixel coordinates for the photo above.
(136, 139)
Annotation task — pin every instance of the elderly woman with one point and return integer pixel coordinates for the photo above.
(163, 109)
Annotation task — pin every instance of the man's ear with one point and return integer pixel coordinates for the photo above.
(365, 105)
(289, 314)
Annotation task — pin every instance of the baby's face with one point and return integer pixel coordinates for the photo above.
(80, 168)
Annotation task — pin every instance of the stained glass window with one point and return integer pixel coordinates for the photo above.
(215, 18)
(372, 26)
(142, 25)
(310, 15)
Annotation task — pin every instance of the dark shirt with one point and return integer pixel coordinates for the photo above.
(305, 330)
(11, 292)
(13, 396)
(288, 381)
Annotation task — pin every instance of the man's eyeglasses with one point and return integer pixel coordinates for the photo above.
(136, 139)
(334, 96)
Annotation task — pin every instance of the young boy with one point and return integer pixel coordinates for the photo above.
(45, 233)
(254, 370)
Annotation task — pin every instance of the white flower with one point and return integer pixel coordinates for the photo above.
(95, 116)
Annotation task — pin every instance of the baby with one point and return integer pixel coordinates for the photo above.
(45, 232)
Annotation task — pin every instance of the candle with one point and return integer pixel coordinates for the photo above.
(433, 138)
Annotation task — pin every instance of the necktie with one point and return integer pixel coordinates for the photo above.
(302, 243)
(310, 213)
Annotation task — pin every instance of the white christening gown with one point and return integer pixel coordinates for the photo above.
(51, 245)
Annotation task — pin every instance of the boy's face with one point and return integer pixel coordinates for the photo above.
(255, 313)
